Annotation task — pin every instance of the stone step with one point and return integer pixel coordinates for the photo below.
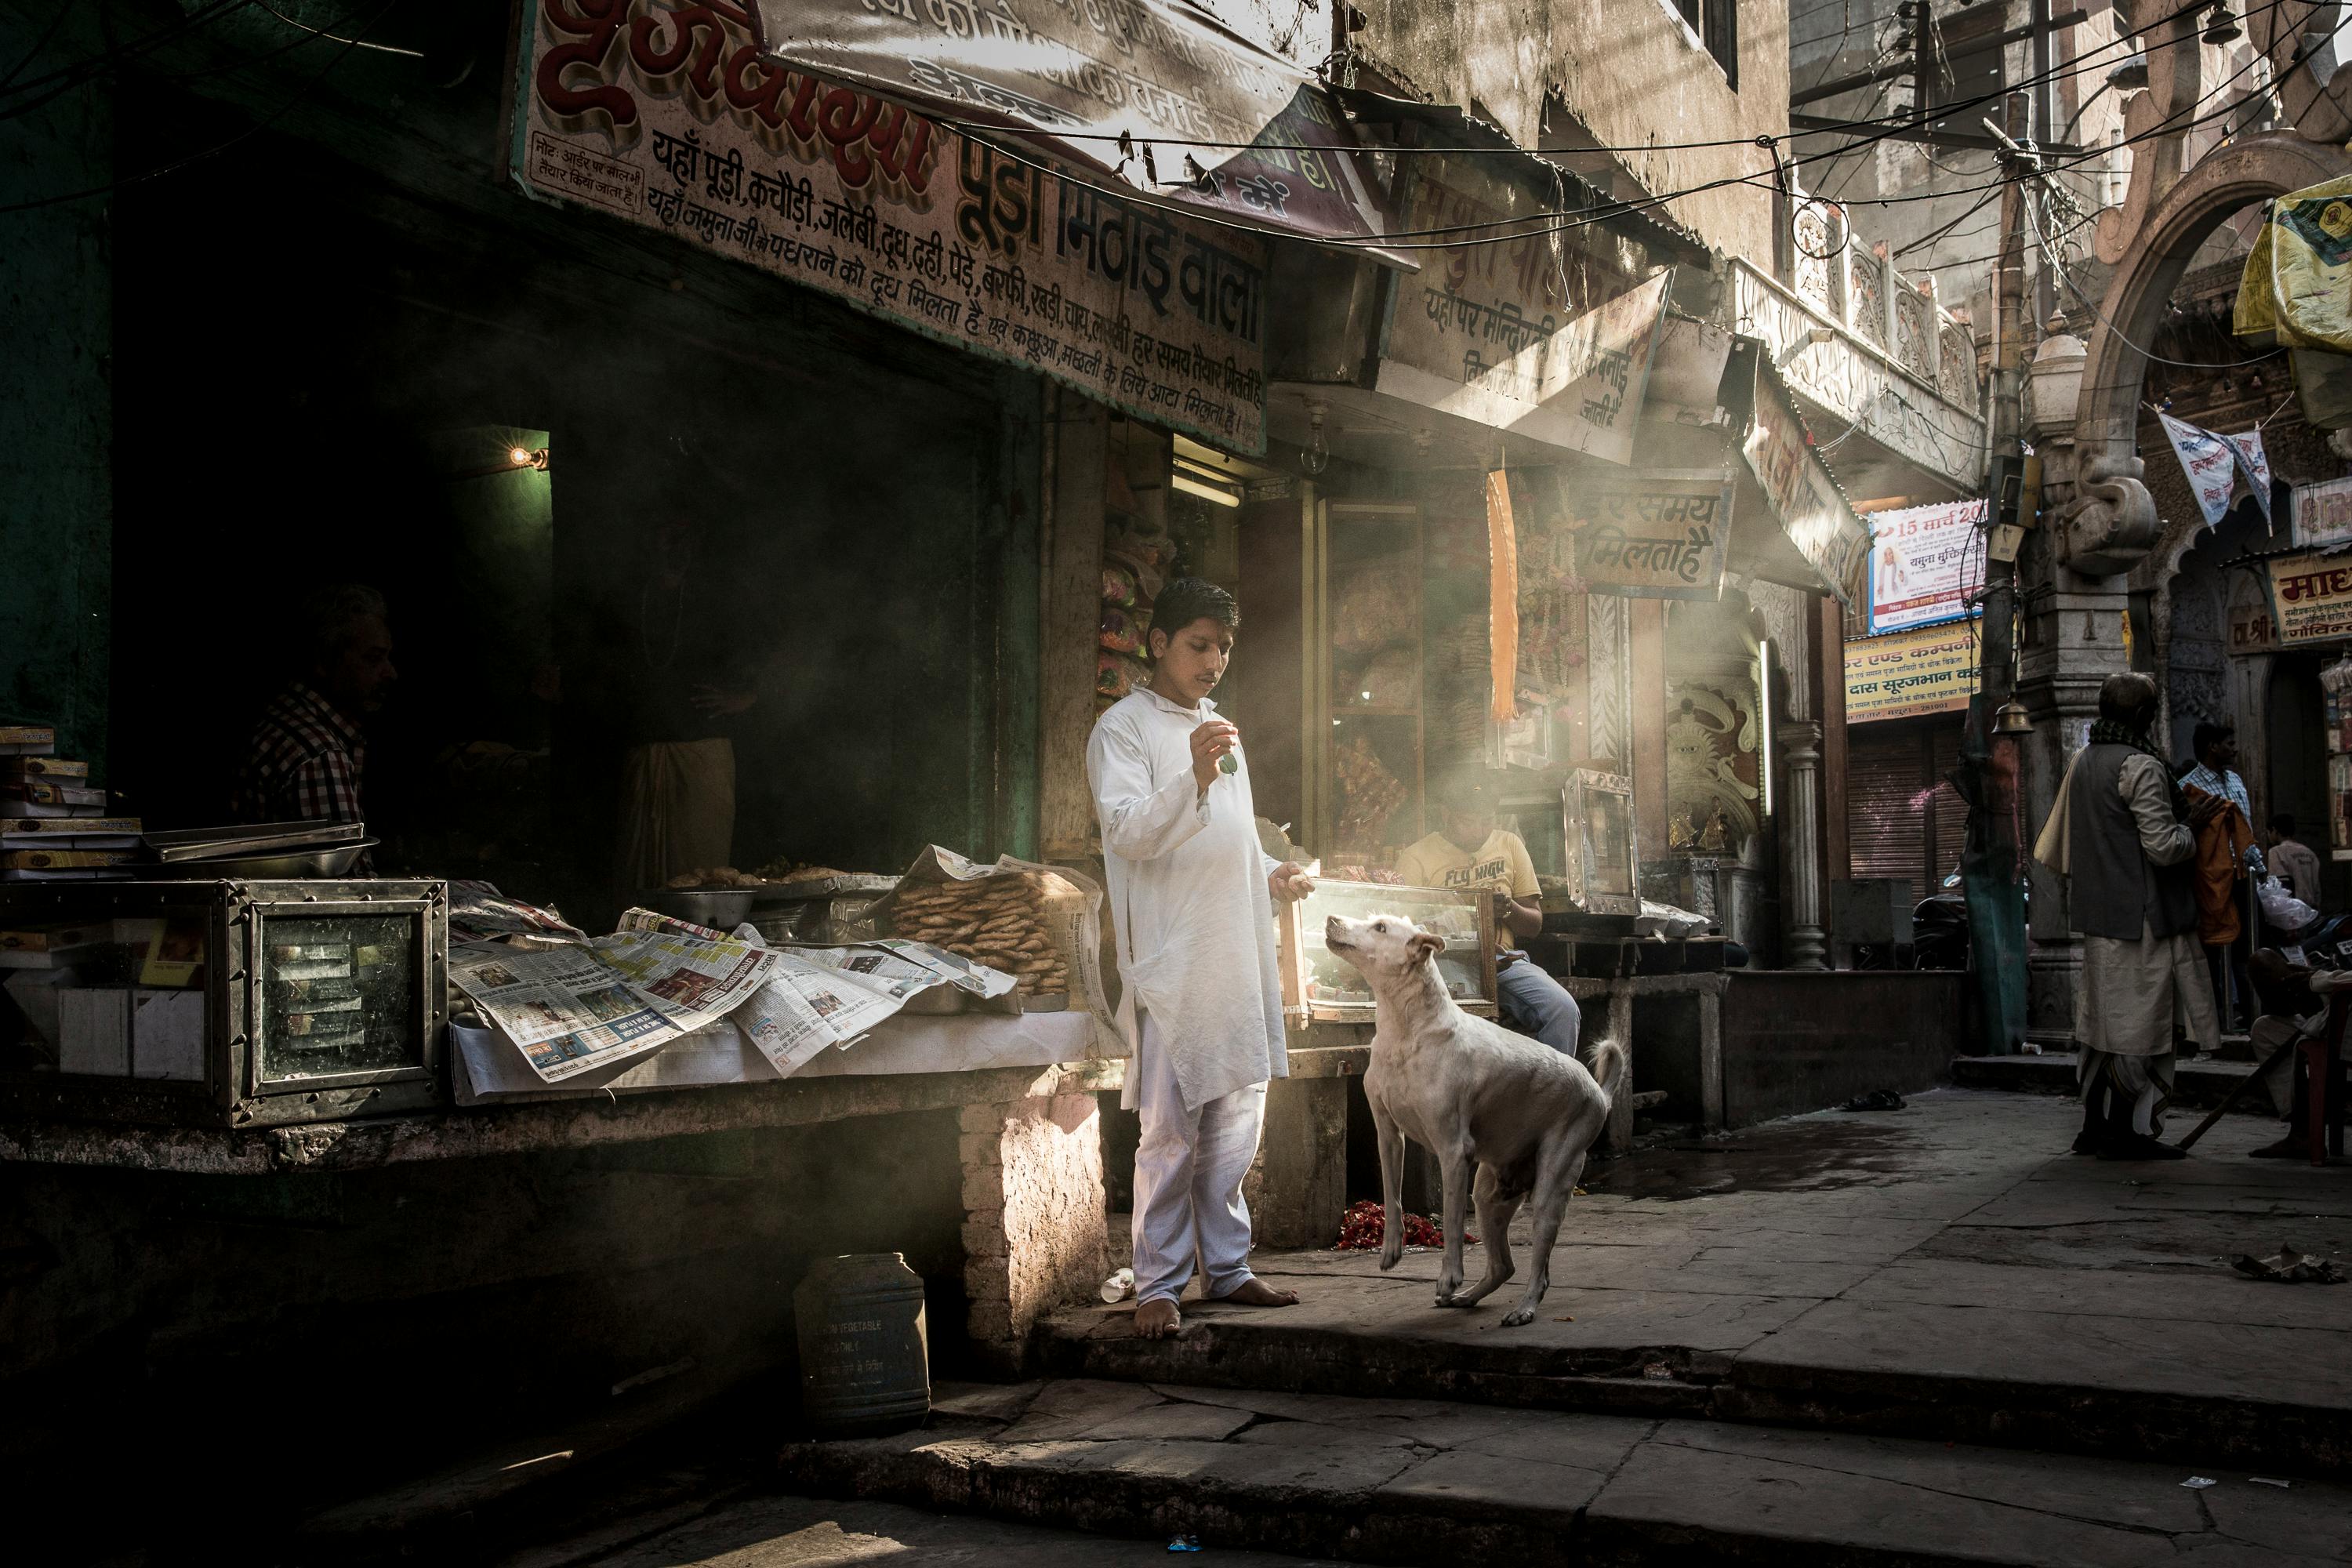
(2200, 1085)
(2186, 1392)
(1386, 1481)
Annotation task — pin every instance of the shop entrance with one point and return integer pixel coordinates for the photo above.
(2296, 728)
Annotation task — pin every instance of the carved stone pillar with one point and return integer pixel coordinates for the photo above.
(1801, 841)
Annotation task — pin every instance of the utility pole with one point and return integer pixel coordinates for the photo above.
(2006, 424)
(1992, 864)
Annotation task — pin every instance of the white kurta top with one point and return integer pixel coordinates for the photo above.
(1187, 894)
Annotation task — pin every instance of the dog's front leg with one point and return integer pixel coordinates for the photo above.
(1391, 1143)
(1456, 1166)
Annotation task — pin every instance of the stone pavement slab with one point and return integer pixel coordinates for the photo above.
(1946, 1269)
(1407, 1481)
(807, 1532)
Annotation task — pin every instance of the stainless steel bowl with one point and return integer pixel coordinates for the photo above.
(719, 909)
(304, 865)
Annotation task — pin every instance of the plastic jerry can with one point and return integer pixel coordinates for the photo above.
(865, 1347)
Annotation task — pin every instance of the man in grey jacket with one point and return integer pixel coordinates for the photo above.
(2119, 835)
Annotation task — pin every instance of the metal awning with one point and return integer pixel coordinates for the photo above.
(1652, 226)
(1792, 523)
(1155, 95)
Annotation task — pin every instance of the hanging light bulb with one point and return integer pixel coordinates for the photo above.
(2221, 26)
(1316, 457)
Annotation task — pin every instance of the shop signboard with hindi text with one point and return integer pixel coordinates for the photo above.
(2322, 516)
(2310, 599)
(671, 119)
(1552, 344)
(1812, 510)
(1906, 675)
(1925, 561)
(1657, 535)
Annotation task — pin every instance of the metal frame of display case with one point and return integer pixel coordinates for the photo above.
(233, 1091)
(1577, 795)
(1291, 920)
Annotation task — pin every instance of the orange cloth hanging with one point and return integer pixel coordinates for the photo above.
(2221, 845)
(1502, 598)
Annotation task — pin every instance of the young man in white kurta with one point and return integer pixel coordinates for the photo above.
(1191, 896)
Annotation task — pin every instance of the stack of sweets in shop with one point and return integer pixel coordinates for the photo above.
(53, 822)
(997, 920)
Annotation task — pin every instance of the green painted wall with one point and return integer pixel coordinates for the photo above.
(55, 403)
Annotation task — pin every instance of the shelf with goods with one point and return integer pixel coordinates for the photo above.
(2336, 682)
(1370, 713)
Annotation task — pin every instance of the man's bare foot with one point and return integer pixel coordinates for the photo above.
(1258, 1293)
(1158, 1318)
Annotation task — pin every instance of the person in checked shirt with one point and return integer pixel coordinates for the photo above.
(307, 761)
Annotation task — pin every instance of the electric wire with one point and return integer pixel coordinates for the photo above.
(256, 128)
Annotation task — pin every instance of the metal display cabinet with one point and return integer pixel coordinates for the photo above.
(1319, 985)
(229, 1004)
(1596, 812)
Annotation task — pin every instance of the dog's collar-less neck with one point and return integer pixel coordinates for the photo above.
(1420, 998)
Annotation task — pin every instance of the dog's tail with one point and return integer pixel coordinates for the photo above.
(1609, 1064)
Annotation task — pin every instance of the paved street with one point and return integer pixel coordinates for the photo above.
(1948, 1263)
(1901, 1314)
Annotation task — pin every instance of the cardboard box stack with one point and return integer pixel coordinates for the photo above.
(123, 997)
(53, 821)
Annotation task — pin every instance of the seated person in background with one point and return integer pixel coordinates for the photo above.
(1471, 851)
(2292, 861)
(307, 758)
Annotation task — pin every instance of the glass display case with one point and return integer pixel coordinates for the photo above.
(1320, 985)
(1596, 812)
(225, 1003)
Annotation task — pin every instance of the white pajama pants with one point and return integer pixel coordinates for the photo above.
(1188, 1179)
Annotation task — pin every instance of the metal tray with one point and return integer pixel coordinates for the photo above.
(301, 865)
(252, 839)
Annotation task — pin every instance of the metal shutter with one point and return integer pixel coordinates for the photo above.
(1885, 802)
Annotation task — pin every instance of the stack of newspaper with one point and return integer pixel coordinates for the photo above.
(572, 1006)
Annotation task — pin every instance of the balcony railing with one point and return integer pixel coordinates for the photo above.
(1870, 352)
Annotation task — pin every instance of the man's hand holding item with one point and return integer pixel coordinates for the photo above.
(1289, 883)
(1209, 742)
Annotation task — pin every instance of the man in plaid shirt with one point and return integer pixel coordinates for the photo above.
(307, 758)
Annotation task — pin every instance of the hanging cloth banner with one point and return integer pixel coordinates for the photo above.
(1153, 96)
(2211, 463)
(2254, 465)
(1503, 598)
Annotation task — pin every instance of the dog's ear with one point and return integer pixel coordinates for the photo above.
(1422, 946)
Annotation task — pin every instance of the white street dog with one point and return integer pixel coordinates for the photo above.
(1474, 1095)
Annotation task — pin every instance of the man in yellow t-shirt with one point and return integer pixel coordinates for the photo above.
(1469, 851)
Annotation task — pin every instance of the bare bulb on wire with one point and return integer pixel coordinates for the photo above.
(1316, 457)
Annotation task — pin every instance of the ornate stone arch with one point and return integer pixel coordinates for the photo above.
(2111, 525)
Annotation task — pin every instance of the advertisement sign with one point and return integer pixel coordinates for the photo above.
(2310, 599)
(675, 122)
(1925, 564)
(1658, 535)
(2322, 517)
(1506, 333)
(2253, 629)
(1932, 670)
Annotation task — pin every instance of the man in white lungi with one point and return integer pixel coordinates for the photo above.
(2118, 833)
(1191, 896)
